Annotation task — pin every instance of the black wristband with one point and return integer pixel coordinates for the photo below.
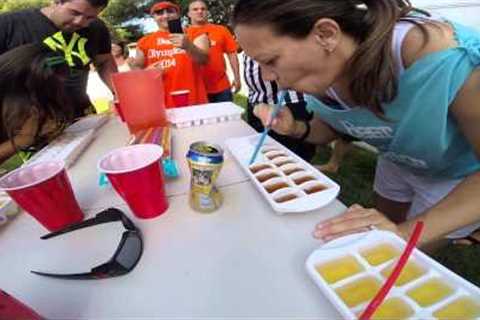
(307, 132)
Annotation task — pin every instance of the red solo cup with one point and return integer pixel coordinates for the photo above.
(11, 308)
(44, 191)
(180, 98)
(135, 173)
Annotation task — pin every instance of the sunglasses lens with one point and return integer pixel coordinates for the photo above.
(130, 252)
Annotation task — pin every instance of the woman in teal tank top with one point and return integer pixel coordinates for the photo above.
(424, 120)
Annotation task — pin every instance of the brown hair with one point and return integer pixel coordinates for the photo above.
(30, 85)
(371, 70)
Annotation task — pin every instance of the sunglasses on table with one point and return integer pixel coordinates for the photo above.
(124, 259)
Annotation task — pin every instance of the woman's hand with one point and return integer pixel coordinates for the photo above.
(356, 219)
(284, 123)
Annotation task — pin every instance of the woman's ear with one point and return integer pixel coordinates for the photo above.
(327, 34)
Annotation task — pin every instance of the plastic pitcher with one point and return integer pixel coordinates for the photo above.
(141, 98)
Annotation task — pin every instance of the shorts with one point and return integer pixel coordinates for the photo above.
(398, 184)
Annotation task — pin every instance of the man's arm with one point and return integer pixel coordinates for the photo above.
(106, 66)
(235, 65)
(198, 48)
(138, 62)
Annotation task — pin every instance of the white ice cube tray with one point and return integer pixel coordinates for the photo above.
(354, 245)
(66, 147)
(204, 114)
(280, 174)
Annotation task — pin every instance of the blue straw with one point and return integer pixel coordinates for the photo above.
(276, 109)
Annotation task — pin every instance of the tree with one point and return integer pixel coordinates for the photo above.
(11, 5)
(123, 17)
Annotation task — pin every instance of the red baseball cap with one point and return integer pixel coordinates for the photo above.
(164, 5)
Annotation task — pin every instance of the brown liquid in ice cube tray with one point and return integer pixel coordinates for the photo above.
(276, 186)
(285, 198)
(284, 162)
(275, 156)
(299, 181)
(259, 168)
(314, 189)
(267, 176)
(292, 170)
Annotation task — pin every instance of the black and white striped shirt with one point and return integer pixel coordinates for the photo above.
(261, 91)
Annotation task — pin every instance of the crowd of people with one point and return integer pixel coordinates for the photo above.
(378, 71)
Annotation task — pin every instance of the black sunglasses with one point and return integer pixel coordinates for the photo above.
(125, 258)
(162, 11)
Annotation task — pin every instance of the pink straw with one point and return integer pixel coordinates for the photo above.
(380, 296)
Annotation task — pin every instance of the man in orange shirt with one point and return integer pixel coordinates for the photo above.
(221, 41)
(178, 56)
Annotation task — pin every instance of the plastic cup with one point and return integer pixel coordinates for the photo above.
(44, 191)
(180, 98)
(136, 174)
(11, 308)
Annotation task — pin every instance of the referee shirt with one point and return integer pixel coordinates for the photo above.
(261, 91)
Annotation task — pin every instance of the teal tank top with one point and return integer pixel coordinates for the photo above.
(418, 130)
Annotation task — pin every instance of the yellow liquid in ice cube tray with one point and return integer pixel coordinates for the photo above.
(393, 308)
(380, 254)
(339, 269)
(359, 291)
(430, 292)
(463, 308)
(410, 272)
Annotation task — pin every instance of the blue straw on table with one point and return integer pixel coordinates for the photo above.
(276, 109)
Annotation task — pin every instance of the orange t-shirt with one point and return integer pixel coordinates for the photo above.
(221, 41)
(180, 72)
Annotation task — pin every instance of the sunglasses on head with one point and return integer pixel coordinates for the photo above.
(163, 11)
(126, 255)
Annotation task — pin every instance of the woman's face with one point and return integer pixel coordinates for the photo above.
(116, 50)
(299, 64)
(163, 16)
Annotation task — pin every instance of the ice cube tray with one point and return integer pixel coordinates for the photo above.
(351, 269)
(286, 181)
(204, 114)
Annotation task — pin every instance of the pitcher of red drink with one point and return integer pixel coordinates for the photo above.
(141, 99)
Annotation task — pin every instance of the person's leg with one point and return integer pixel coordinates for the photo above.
(340, 149)
(428, 192)
(223, 96)
(393, 196)
(394, 210)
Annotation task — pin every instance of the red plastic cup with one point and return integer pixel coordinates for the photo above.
(135, 173)
(180, 98)
(11, 308)
(44, 191)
